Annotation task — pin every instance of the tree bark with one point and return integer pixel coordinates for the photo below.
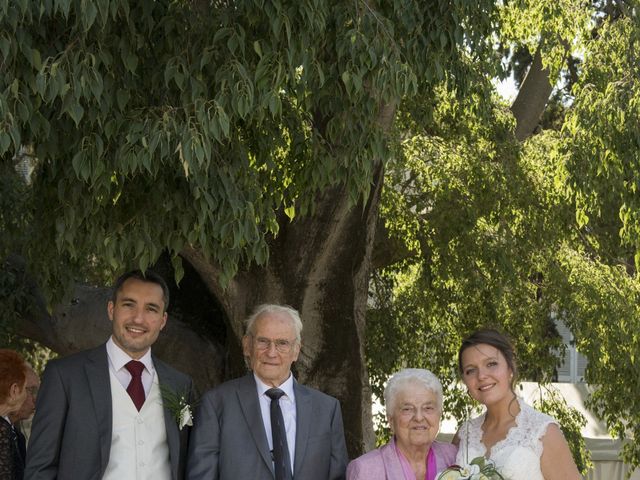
(319, 265)
(532, 98)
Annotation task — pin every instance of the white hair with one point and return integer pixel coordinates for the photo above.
(274, 308)
(411, 376)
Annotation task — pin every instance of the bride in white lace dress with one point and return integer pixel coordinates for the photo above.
(524, 444)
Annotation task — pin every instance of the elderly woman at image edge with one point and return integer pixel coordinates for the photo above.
(413, 398)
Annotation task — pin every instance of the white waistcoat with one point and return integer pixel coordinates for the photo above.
(139, 449)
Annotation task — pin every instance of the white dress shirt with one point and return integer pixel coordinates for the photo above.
(117, 361)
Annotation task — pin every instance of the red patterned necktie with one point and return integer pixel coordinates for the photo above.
(135, 388)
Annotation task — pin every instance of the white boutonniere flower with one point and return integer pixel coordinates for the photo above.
(181, 410)
(185, 417)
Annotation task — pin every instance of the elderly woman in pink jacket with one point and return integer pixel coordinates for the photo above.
(413, 398)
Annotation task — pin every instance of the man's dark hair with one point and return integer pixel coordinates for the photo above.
(148, 276)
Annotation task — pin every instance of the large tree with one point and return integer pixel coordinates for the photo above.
(518, 237)
(243, 147)
(246, 139)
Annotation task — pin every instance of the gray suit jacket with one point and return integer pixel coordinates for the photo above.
(228, 441)
(71, 430)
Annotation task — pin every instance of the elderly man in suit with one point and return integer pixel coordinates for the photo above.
(100, 413)
(265, 425)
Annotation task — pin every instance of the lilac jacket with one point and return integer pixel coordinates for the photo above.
(383, 463)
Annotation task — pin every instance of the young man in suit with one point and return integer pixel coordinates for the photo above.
(236, 435)
(100, 413)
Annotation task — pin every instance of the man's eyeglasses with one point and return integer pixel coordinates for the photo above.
(282, 345)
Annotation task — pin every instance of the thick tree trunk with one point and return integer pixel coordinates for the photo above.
(320, 265)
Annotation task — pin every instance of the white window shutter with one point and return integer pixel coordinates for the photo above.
(565, 368)
(573, 364)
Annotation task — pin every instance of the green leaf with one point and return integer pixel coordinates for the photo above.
(290, 212)
(4, 47)
(178, 268)
(36, 60)
(63, 6)
(77, 161)
(130, 60)
(346, 79)
(257, 48)
(15, 88)
(75, 111)
(122, 98)
(89, 11)
(5, 141)
(223, 120)
(205, 59)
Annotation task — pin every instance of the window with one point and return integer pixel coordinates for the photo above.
(574, 363)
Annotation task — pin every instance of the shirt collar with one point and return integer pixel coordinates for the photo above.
(286, 387)
(119, 358)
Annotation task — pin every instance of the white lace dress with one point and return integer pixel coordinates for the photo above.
(517, 456)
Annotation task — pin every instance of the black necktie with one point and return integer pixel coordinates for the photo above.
(281, 461)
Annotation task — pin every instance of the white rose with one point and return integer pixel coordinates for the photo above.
(469, 471)
(185, 417)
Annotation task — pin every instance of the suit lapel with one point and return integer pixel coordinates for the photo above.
(97, 371)
(168, 382)
(248, 399)
(392, 465)
(303, 424)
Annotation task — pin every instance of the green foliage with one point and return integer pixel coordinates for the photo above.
(14, 214)
(483, 220)
(512, 236)
(603, 301)
(602, 131)
(601, 167)
(551, 26)
(571, 422)
(16, 300)
(169, 125)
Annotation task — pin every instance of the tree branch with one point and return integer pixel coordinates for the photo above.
(532, 98)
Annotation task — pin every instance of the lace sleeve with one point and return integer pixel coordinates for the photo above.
(6, 453)
(545, 421)
(532, 425)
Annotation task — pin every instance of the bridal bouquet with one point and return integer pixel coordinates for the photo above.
(478, 469)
